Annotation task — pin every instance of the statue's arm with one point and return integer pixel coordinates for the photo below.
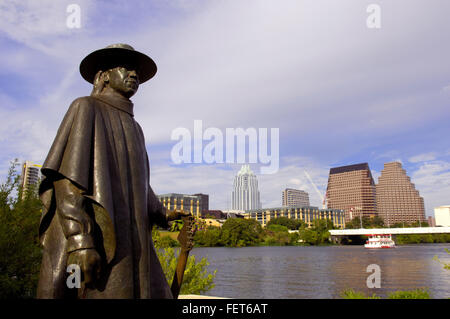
(76, 224)
(158, 214)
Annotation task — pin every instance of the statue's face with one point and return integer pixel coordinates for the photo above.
(124, 81)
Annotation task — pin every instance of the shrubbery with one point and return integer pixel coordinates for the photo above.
(239, 232)
(422, 239)
(196, 278)
(20, 252)
(292, 224)
(401, 294)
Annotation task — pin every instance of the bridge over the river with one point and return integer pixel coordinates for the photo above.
(390, 231)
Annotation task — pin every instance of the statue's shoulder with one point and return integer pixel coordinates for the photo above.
(84, 103)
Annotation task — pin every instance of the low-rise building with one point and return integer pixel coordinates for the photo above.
(306, 213)
(442, 216)
(190, 203)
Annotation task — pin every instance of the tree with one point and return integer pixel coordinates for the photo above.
(292, 224)
(276, 228)
(408, 225)
(210, 237)
(239, 232)
(309, 236)
(318, 233)
(377, 222)
(20, 252)
(367, 222)
(418, 224)
(276, 234)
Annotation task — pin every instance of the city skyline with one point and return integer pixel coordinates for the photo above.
(245, 169)
(383, 101)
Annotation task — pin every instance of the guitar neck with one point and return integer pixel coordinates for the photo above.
(179, 272)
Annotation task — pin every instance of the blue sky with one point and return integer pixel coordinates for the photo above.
(339, 92)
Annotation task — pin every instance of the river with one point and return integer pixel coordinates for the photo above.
(324, 272)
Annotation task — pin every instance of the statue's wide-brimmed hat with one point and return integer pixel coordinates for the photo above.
(117, 55)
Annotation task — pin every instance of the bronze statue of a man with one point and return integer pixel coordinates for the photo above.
(99, 208)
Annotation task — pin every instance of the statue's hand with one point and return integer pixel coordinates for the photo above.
(89, 261)
(176, 214)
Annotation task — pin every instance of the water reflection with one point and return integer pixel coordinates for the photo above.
(323, 272)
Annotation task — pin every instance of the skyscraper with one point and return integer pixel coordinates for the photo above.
(31, 176)
(294, 197)
(397, 199)
(245, 193)
(351, 188)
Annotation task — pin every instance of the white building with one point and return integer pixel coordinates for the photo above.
(245, 193)
(31, 175)
(294, 198)
(442, 216)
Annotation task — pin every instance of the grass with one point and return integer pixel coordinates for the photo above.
(400, 294)
(172, 235)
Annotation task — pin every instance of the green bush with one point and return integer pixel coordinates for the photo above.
(308, 236)
(196, 278)
(167, 241)
(410, 294)
(367, 222)
(401, 294)
(210, 237)
(289, 223)
(351, 294)
(239, 232)
(20, 252)
(279, 238)
(277, 228)
(422, 239)
(318, 234)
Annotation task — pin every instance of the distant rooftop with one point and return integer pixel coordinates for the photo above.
(349, 168)
(293, 207)
(245, 169)
(177, 195)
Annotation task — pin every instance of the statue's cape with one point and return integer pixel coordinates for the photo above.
(101, 149)
(79, 153)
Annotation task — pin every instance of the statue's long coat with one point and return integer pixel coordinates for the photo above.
(101, 149)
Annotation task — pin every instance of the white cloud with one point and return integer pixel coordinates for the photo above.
(217, 181)
(432, 179)
(303, 66)
(422, 157)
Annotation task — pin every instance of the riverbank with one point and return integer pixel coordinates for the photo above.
(282, 239)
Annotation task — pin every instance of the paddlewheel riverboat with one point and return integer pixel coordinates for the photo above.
(379, 241)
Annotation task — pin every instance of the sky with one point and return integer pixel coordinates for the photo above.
(339, 92)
